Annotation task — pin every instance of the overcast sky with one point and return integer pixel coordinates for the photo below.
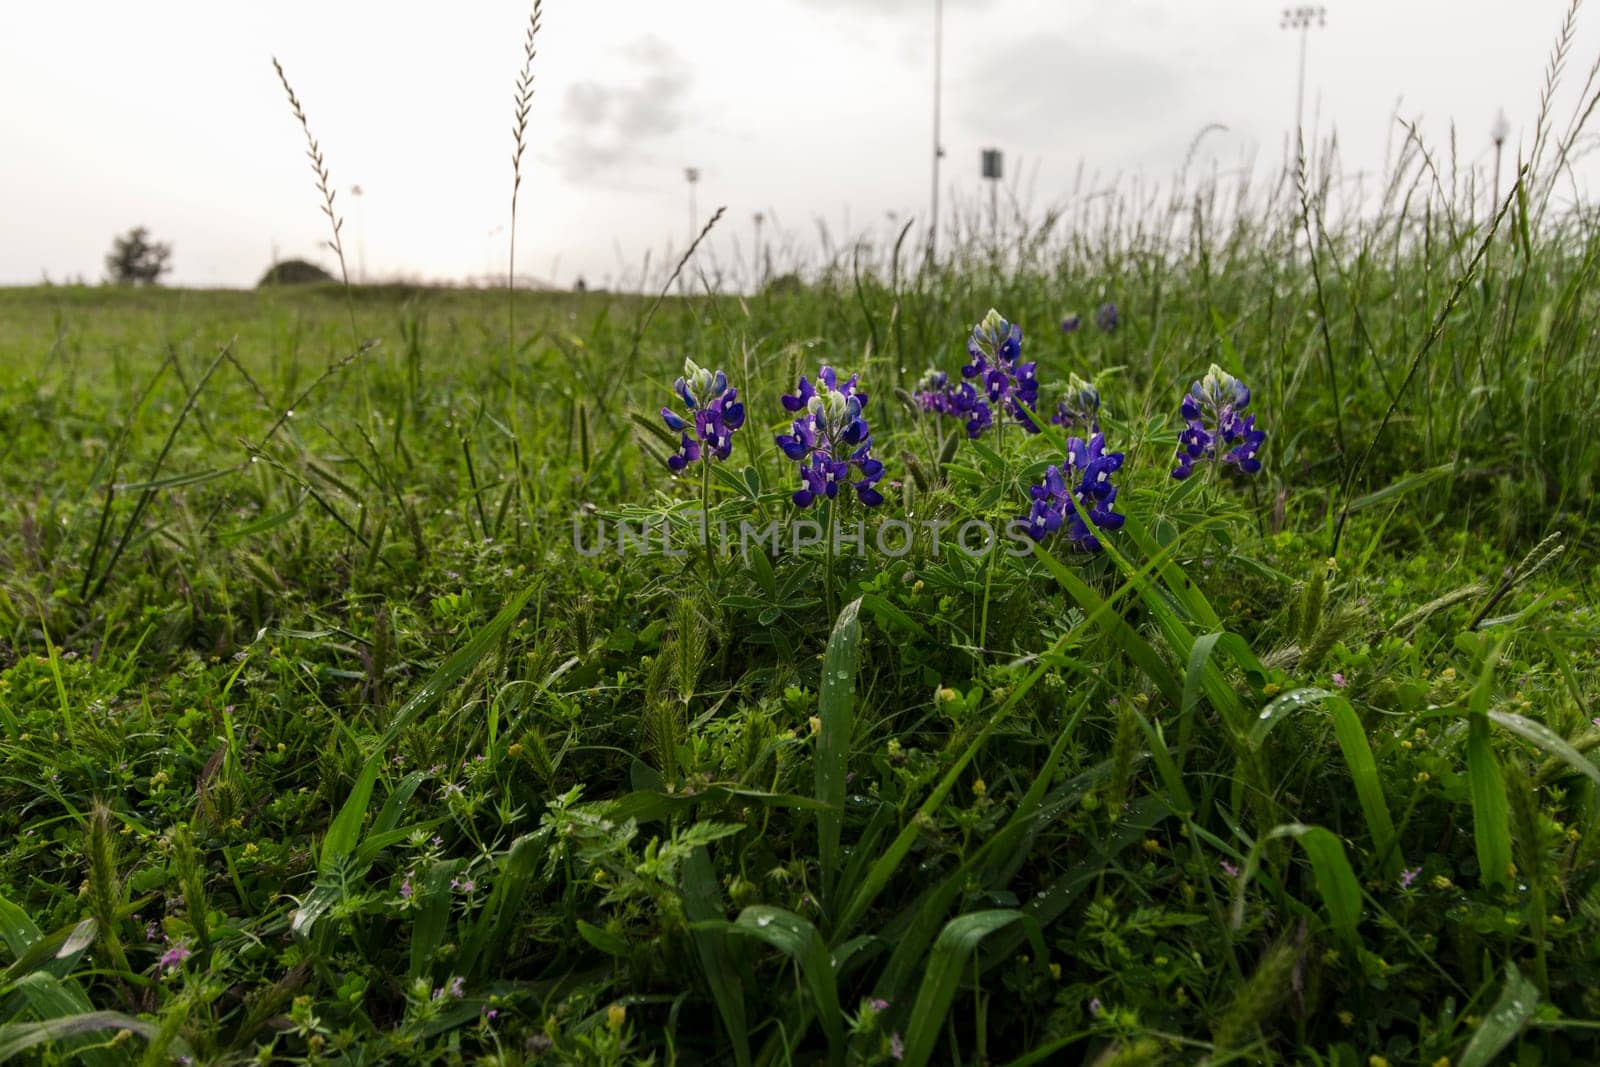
(169, 114)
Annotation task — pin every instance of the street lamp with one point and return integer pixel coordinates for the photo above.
(361, 235)
(692, 176)
(1498, 133)
(1302, 18)
(993, 169)
(761, 275)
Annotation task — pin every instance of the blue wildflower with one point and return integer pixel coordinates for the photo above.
(830, 440)
(1080, 408)
(1215, 429)
(1071, 323)
(995, 366)
(1085, 475)
(714, 413)
(1107, 318)
(936, 393)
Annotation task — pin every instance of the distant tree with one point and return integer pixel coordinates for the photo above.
(136, 260)
(294, 272)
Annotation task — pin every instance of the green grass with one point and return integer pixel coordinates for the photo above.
(302, 675)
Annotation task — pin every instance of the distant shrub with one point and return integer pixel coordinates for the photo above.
(785, 285)
(294, 272)
(134, 259)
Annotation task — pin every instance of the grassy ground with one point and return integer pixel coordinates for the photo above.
(321, 741)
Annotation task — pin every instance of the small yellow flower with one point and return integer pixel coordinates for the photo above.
(1347, 1017)
(1448, 674)
(250, 849)
(1377, 1061)
(1442, 1061)
(1423, 776)
(948, 695)
(616, 1015)
(1406, 744)
(1441, 882)
(1271, 689)
(514, 749)
(980, 789)
(1151, 845)
(1055, 971)
(816, 724)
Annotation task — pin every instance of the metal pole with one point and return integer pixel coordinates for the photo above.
(938, 149)
(1300, 108)
(994, 214)
(1300, 18)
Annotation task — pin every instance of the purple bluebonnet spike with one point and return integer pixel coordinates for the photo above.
(1214, 429)
(714, 414)
(1085, 475)
(831, 441)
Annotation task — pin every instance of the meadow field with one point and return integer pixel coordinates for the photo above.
(369, 693)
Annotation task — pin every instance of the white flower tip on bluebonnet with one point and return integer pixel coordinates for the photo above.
(700, 381)
(1218, 385)
(1501, 128)
(991, 324)
(1084, 392)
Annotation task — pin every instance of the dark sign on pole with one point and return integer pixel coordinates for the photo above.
(992, 168)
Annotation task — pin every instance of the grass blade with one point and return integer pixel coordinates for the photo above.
(836, 703)
(956, 943)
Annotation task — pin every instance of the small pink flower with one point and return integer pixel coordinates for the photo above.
(1338, 680)
(1229, 869)
(1407, 877)
(1094, 1007)
(174, 957)
(879, 1004)
(897, 1048)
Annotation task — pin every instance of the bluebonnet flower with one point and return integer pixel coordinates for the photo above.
(1086, 477)
(995, 364)
(1071, 323)
(936, 393)
(830, 440)
(1080, 408)
(1107, 318)
(714, 412)
(1215, 428)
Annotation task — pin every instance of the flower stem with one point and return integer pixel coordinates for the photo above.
(705, 516)
(827, 572)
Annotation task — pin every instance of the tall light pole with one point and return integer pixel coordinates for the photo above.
(1302, 18)
(692, 176)
(1498, 132)
(761, 275)
(361, 235)
(938, 149)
